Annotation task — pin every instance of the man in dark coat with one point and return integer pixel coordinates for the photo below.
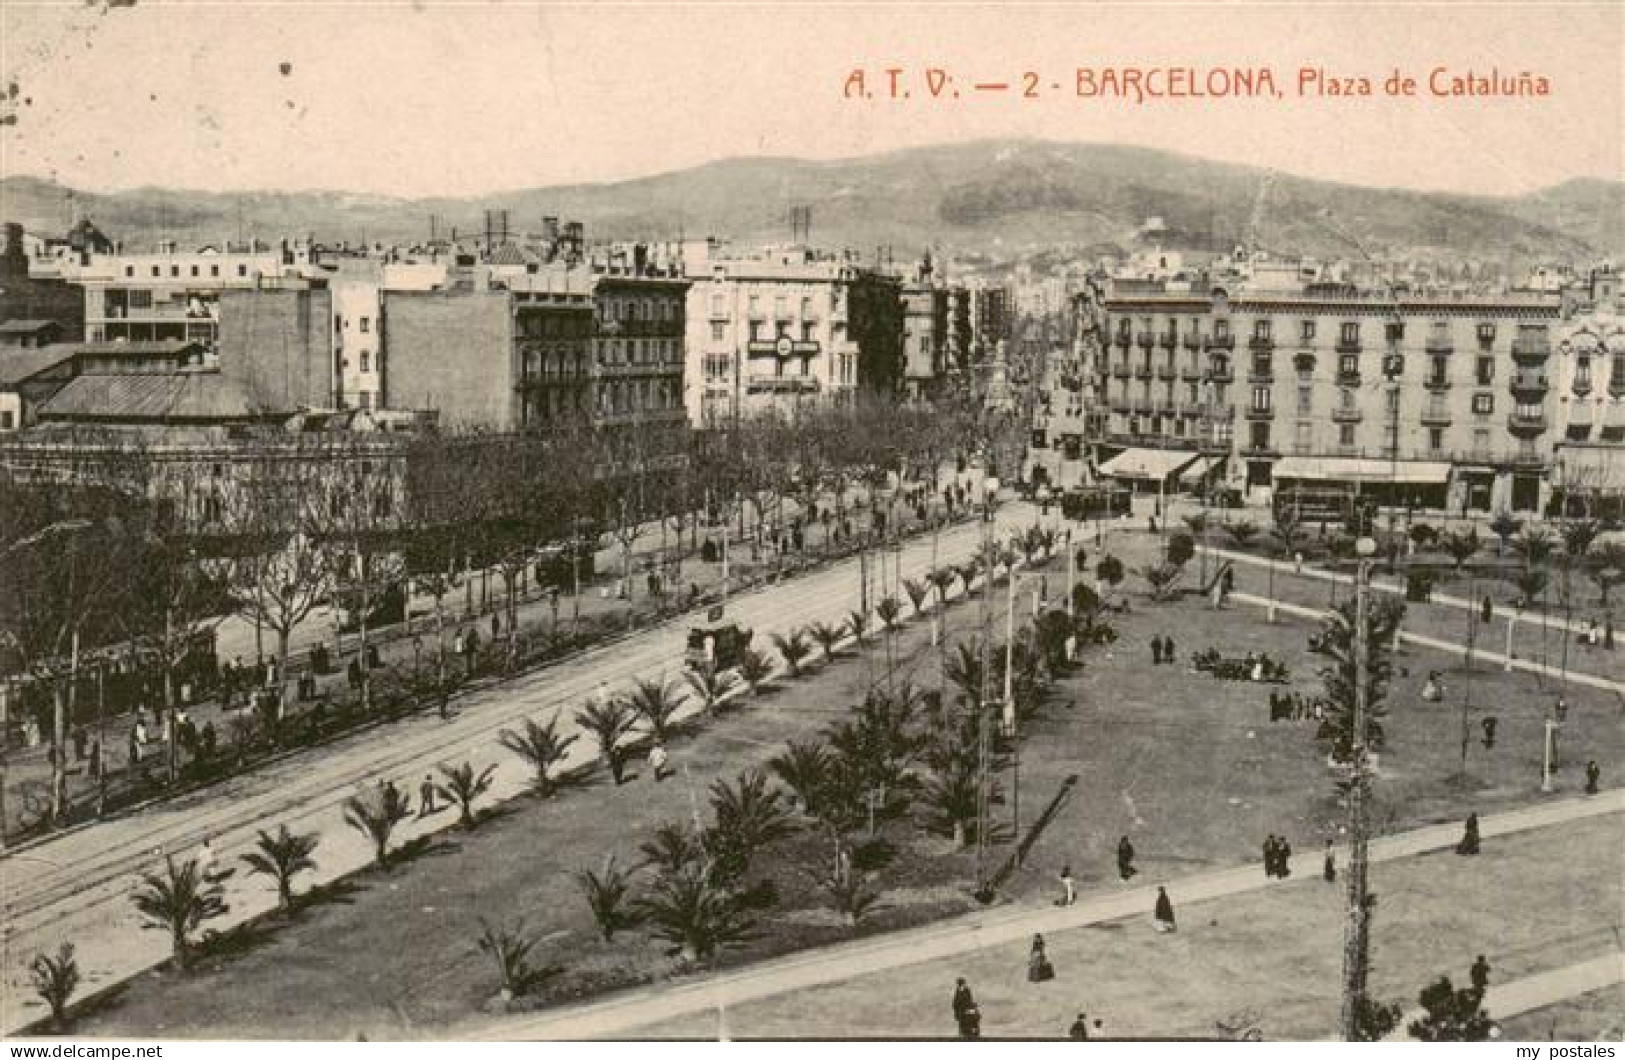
(1079, 1031)
(964, 1007)
(1156, 651)
(1488, 725)
(1283, 858)
(1269, 855)
(1469, 837)
(1593, 775)
(1480, 973)
(1164, 912)
(1125, 858)
(1168, 650)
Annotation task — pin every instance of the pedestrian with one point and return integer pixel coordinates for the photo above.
(1168, 650)
(79, 740)
(1269, 855)
(1593, 774)
(1069, 889)
(1297, 563)
(657, 762)
(1487, 612)
(426, 796)
(1328, 867)
(966, 1015)
(1283, 858)
(496, 627)
(1039, 969)
(1151, 523)
(205, 859)
(1079, 1032)
(1469, 837)
(1164, 912)
(353, 674)
(1480, 974)
(1156, 651)
(1125, 858)
(1488, 725)
(1432, 692)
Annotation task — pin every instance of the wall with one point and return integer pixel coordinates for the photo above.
(454, 352)
(278, 346)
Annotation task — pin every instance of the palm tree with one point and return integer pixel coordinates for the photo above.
(179, 901)
(1243, 532)
(1535, 545)
(542, 747)
(952, 792)
(376, 818)
(963, 668)
(828, 635)
(849, 893)
(282, 856)
(804, 768)
(917, 591)
(1460, 547)
(608, 895)
(749, 811)
(857, 624)
(942, 581)
(686, 909)
(1504, 526)
(792, 648)
(609, 721)
(509, 948)
(1607, 568)
(755, 667)
(711, 684)
(657, 702)
(55, 979)
(673, 846)
(889, 611)
(1578, 536)
(463, 786)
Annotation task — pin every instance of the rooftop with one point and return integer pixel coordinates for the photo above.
(168, 396)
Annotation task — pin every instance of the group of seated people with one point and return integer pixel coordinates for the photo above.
(1254, 666)
(1292, 706)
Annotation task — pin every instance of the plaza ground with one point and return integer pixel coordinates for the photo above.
(1187, 765)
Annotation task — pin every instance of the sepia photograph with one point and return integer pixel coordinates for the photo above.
(692, 521)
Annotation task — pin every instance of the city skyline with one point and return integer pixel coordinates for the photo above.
(481, 102)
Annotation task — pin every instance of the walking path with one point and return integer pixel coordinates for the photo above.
(622, 1016)
(1576, 676)
(1537, 991)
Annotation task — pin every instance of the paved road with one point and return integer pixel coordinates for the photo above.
(622, 1016)
(75, 887)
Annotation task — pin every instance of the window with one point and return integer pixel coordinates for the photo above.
(1395, 331)
(1441, 369)
(1485, 371)
(1305, 435)
(140, 299)
(1481, 440)
(1259, 435)
(1345, 399)
(755, 331)
(1483, 404)
(194, 270)
(1349, 335)
(214, 270)
(129, 270)
(366, 325)
(1345, 434)
(1582, 373)
(755, 305)
(1261, 399)
(807, 335)
(1348, 364)
(1261, 329)
(366, 399)
(242, 270)
(1221, 329)
(1391, 400)
(718, 305)
(716, 331)
(1305, 399)
(1435, 439)
(1486, 334)
(1306, 331)
(6, 420)
(156, 271)
(366, 361)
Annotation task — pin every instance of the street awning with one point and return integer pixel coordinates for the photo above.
(1205, 467)
(1360, 469)
(1590, 467)
(1146, 463)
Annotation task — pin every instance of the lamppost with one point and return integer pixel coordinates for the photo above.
(989, 489)
(1357, 931)
(1008, 705)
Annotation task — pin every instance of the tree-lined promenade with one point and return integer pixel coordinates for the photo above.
(122, 559)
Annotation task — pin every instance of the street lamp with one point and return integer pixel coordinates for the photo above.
(1009, 704)
(989, 489)
(1357, 931)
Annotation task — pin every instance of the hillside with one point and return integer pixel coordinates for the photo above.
(1014, 197)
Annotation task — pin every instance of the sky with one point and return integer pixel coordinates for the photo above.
(430, 99)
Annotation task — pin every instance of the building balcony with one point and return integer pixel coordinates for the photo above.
(1533, 384)
(1261, 344)
(1436, 417)
(1436, 382)
(1523, 425)
(1190, 373)
(1193, 341)
(1143, 406)
(1342, 415)
(1121, 370)
(1220, 374)
(1259, 448)
(1255, 413)
(1121, 405)
(1303, 361)
(1123, 339)
(1168, 340)
(1144, 340)
(1439, 344)
(1348, 378)
(1531, 348)
(1348, 345)
(1221, 342)
(1166, 371)
(1142, 371)
(1264, 376)
(781, 384)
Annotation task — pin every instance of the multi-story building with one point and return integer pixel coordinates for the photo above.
(1588, 377)
(636, 372)
(1429, 400)
(37, 299)
(784, 327)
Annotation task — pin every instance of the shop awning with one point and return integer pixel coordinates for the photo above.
(1205, 467)
(1146, 463)
(1590, 467)
(1360, 469)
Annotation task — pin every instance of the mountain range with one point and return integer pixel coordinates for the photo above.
(1005, 199)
